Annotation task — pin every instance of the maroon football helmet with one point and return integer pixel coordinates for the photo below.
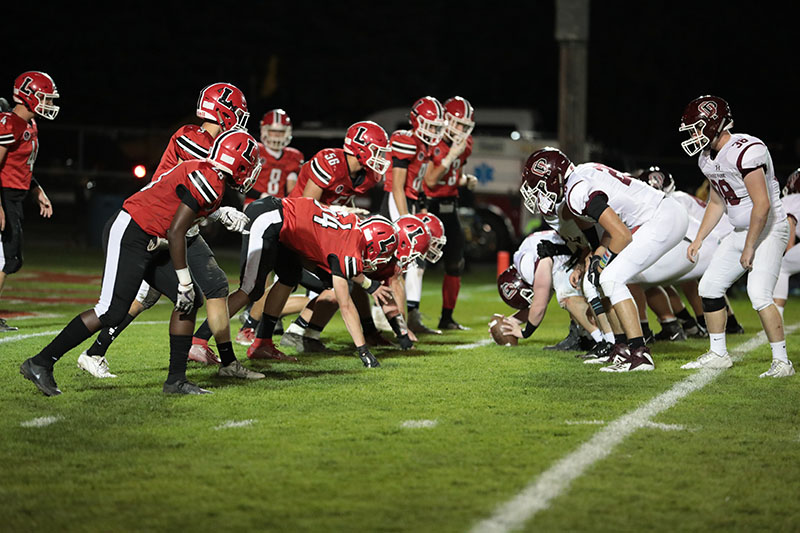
(792, 183)
(658, 179)
(704, 118)
(544, 179)
(514, 290)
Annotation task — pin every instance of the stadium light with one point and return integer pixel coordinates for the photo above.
(139, 171)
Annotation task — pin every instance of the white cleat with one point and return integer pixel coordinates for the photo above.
(779, 369)
(96, 365)
(710, 359)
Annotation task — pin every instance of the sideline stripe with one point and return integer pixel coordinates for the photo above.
(556, 480)
(57, 331)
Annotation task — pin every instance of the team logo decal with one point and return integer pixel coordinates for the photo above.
(539, 167)
(509, 290)
(359, 137)
(339, 189)
(437, 151)
(26, 136)
(708, 109)
(420, 156)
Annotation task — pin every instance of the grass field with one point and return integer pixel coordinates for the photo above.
(437, 440)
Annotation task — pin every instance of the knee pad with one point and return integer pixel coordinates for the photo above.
(713, 304)
(149, 299)
(454, 269)
(614, 290)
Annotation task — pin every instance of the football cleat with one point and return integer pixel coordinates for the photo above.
(570, 343)
(601, 349)
(733, 328)
(41, 376)
(5, 327)
(779, 369)
(96, 365)
(239, 371)
(451, 325)
(639, 360)
(695, 331)
(267, 350)
(710, 359)
(183, 387)
(415, 324)
(302, 344)
(671, 331)
(202, 353)
(246, 336)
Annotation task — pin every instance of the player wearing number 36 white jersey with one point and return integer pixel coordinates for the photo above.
(743, 185)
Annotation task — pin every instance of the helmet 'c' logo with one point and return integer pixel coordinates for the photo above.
(539, 167)
(224, 98)
(359, 136)
(708, 109)
(24, 87)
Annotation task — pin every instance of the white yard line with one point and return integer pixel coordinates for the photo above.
(415, 424)
(477, 344)
(552, 483)
(235, 424)
(20, 337)
(40, 422)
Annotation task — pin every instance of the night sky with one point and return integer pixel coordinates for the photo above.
(338, 62)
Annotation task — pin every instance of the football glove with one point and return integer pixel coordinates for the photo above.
(405, 341)
(185, 300)
(367, 358)
(456, 150)
(593, 274)
(551, 249)
(230, 217)
(469, 181)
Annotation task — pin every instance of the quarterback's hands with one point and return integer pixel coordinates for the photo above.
(45, 207)
(692, 250)
(511, 327)
(746, 260)
(469, 181)
(233, 219)
(185, 300)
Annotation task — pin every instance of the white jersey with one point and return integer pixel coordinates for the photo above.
(791, 203)
(567, 229)
(741, 155)
(529, 247)
(632, 200)
(696, 208)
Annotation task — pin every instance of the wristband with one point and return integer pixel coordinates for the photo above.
(529, 329)
(607, 258)
(184, 277)
(372, 287)
(398, 325)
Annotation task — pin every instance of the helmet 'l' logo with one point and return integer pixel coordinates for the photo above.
(24, 89)
(359, 136)
(708, 109)
(540, 167)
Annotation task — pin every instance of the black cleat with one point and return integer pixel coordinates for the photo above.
(571, 343)
(278, 327)
(671, 331)
(733, 329)
(5, 327)
(184, 387)
(415, 324)
(41, 376)
(451, 324)
(600, 349)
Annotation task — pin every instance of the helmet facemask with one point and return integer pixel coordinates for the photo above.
(697, 140)
(429, 131)
(46, 107)
(378, 160)
(546, 201)
(458, 128)
(276, 137)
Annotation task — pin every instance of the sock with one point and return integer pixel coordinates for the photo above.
(646, 331)
(266, 326)
(203, 332)
(250, 322)
(226, 354)
(779, 351)
(450, 287)
(368, 325)
(620, 338)
(72, 335)
(107, 336)
(609, 337)
(178, 355)
(414, 282)
(297, 329)
(447, 315)
(702, 321)
(412, 305)
(596, 335)
(718, 344)
(313, 331)
(684, 315)
(636, 342)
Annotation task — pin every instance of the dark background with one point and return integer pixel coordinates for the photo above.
(330, 64)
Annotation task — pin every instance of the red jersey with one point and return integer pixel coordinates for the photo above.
(189, 142)
(21, 139)
(317, 233)
(409, 152)
(447, 186)
(276, 172)
(154, 207)
(329, 170)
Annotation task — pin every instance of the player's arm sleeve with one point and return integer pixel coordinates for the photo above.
(597, 203)
(187, 148)
(403, 151)
(321, 173)
(345, 267)
(753, 157)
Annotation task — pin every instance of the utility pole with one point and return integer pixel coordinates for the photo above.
(572, 34)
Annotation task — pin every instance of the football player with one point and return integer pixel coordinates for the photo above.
(791, 260)
(34, 94)
(285, 234)
(165, 208)
(743, 185)
(412, 153)
(441, 191)
(222, 107)
(594, 193)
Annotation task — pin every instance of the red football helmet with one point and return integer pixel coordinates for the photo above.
(369, 144)
(235, 152)
(413, 240)
(792, 183)
(36, 91)
(380, 241)
(704, 118)
(515, 291)
(460, 118)
(224, 104)
(276, 129)
(427, 120)
(544, 179)
(438, 238)
(658, 179)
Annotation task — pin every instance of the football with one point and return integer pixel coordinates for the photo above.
(497, 334)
